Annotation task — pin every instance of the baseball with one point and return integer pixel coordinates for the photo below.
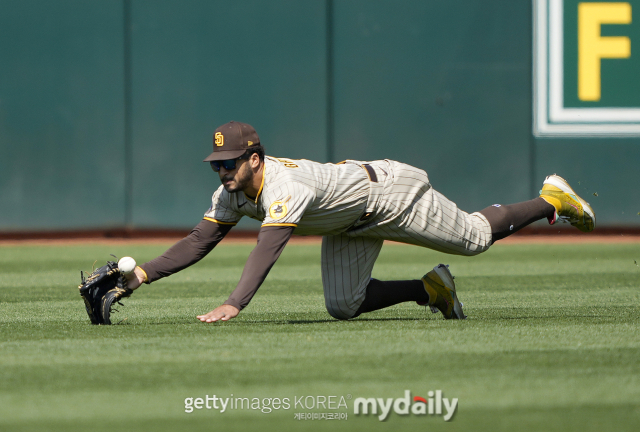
(126, 265)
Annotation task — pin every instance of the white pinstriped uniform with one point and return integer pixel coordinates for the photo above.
(354, 215)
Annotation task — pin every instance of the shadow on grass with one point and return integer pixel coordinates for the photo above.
(273, 321)
(605, 318)
(354, 320)
(545, 317)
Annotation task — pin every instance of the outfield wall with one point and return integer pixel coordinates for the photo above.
(107, 107)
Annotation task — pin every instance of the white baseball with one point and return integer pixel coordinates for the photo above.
(126, 265)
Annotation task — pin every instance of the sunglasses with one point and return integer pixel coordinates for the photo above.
(229, 164)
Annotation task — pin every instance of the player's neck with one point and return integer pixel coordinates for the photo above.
(256, 183)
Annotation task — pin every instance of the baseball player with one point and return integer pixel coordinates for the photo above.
(355, 206)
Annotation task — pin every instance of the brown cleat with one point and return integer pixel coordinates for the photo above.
(441, 288)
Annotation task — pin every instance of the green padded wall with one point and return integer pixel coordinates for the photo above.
(606, 167)
(442, 85)
(61, 114)
(446, 86)
(202, 63)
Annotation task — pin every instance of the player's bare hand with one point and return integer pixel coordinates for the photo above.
(221, 313)
(135, 278)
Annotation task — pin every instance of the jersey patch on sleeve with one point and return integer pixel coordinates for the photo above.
(278, 209)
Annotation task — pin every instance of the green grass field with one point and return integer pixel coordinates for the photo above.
(552, 343)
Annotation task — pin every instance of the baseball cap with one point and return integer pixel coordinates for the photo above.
(231, 140)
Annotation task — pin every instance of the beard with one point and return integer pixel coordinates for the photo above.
(239, 182)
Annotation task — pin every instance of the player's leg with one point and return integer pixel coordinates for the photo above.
(409, 210)
(347, 263)
(382, 294)
(436, 289)
(349, 290)
(557, 201)
(434, 221)
(508, 219)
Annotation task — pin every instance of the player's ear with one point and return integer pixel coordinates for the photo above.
(254, 160)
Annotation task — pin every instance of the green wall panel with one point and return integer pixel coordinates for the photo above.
(445, 86)
(199, 64)
(441, 85)
(61, 120)
(607, 167)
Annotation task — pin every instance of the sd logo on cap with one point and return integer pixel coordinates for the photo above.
(231, 140)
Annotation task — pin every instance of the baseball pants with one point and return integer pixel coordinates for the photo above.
(405, 208)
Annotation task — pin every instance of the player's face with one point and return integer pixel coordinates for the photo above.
(237, 179)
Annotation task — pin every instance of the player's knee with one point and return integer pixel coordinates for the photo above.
(476, 251)
(340, 314)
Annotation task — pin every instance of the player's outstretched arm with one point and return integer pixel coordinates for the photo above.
(271, 242)
(188, 251)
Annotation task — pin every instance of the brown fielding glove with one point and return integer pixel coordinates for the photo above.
(105, 286)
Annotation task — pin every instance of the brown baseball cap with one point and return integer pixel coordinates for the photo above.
(231, 140)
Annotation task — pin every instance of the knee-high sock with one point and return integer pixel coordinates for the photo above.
(382, 294)
(507, 219)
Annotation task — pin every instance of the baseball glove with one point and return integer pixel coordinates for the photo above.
(104, 287)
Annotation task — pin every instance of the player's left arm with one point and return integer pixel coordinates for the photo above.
(271, 242)
(289, 200)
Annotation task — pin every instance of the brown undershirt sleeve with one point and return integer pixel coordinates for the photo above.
(191, 249)
(271, 242)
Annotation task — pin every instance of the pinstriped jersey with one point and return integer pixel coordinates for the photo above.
(320, 199)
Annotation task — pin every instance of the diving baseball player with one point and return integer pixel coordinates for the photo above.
(355, 206)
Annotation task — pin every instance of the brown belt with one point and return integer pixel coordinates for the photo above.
(374, 178)
(370, 172)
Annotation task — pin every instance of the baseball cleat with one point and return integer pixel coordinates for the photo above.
(441, 288)
(569, 206)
